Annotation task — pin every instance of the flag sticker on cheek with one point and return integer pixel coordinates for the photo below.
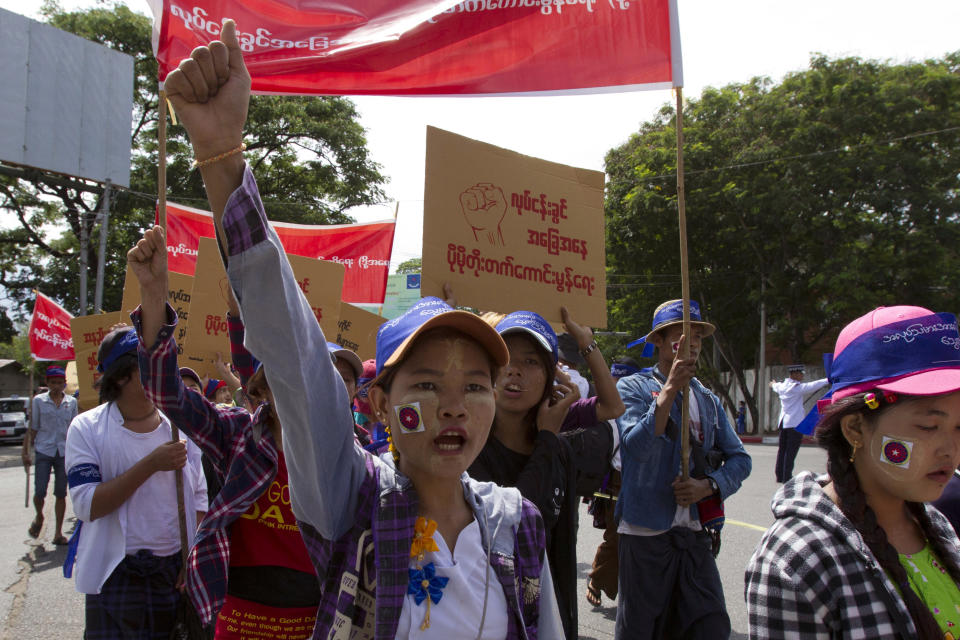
(409, 416)
(896, 452)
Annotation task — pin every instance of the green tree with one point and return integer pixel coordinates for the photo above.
(309, 156)
(413, 265)
(836, 189)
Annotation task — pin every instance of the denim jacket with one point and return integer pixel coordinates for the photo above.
(651, 462)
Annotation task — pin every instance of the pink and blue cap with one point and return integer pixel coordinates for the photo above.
(903, 350)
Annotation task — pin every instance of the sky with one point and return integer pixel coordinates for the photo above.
(722, 43)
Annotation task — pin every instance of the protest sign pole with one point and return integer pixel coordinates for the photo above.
(162, 169)
(26, 467)
(685, 293)
(162, 219)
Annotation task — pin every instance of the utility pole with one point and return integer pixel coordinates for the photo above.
(762, 365)
(83, 263)
(104, 219)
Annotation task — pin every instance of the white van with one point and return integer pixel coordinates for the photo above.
(13, 419)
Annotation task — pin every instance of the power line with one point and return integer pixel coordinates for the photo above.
(812, 154)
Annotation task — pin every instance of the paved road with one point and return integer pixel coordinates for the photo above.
(36, 602)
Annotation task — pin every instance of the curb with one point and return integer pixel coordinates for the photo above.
(772, 439)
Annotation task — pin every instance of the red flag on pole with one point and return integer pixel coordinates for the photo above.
(364, 249)
(49, 332)
(434, 47)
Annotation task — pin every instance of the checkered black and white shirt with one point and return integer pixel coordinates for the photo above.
(813, 576)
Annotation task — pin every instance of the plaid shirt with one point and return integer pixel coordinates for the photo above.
(355, 512)
(813, 576)
(240, 447)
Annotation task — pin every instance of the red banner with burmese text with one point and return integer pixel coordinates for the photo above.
(50, 337)
(363, 249)
(434, 47)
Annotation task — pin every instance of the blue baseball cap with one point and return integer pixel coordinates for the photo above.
(336, 351)
(668, 314)
(533, 325)
(395, 337)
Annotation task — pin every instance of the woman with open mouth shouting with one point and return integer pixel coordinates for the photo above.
(858, 553)
(405, 546)
(535, 402)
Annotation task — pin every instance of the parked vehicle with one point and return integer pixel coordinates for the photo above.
(13, 419)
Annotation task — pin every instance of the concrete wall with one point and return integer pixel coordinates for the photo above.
(771, 411)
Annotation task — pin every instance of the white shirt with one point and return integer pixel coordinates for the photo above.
(582, 383)
(459, 611)
(94, 455)
(152, 521)
(791, 395)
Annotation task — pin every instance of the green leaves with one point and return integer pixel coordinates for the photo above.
(838, 187)
(309, 156)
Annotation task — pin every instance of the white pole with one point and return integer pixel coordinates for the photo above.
(101, 257)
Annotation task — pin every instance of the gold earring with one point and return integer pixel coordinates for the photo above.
(853, 454)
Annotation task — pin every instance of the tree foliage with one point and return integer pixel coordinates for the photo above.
(413, 265)
(837, 188)
(309, 156)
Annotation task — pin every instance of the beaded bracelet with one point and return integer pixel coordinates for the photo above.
(226, 154)
(587, 350)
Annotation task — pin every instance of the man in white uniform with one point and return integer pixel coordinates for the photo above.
(792, 391)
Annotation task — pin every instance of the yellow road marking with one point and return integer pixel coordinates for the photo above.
(745, 524)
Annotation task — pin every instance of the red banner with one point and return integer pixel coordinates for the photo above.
(50, 337)
(434, 47)
(364, 249)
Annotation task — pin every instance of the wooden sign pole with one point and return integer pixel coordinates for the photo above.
(685, 293)
(162, 219)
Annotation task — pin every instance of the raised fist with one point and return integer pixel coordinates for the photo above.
(484, 207)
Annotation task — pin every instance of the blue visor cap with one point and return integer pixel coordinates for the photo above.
(124, 343)
(395, 338)
(336, 351)
(671, 313)
(533, 325)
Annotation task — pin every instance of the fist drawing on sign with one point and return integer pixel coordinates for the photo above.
(484, 207)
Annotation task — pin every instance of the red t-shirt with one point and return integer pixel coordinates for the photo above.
(267, 534)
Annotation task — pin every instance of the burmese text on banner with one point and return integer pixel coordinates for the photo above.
(434, 47)
(363, 249)
(50, 337)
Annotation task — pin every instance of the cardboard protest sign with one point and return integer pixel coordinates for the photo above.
(321, 283)
(512, 232)
(357, 330)
(88, 332)
(207, 335)
(180, 288)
